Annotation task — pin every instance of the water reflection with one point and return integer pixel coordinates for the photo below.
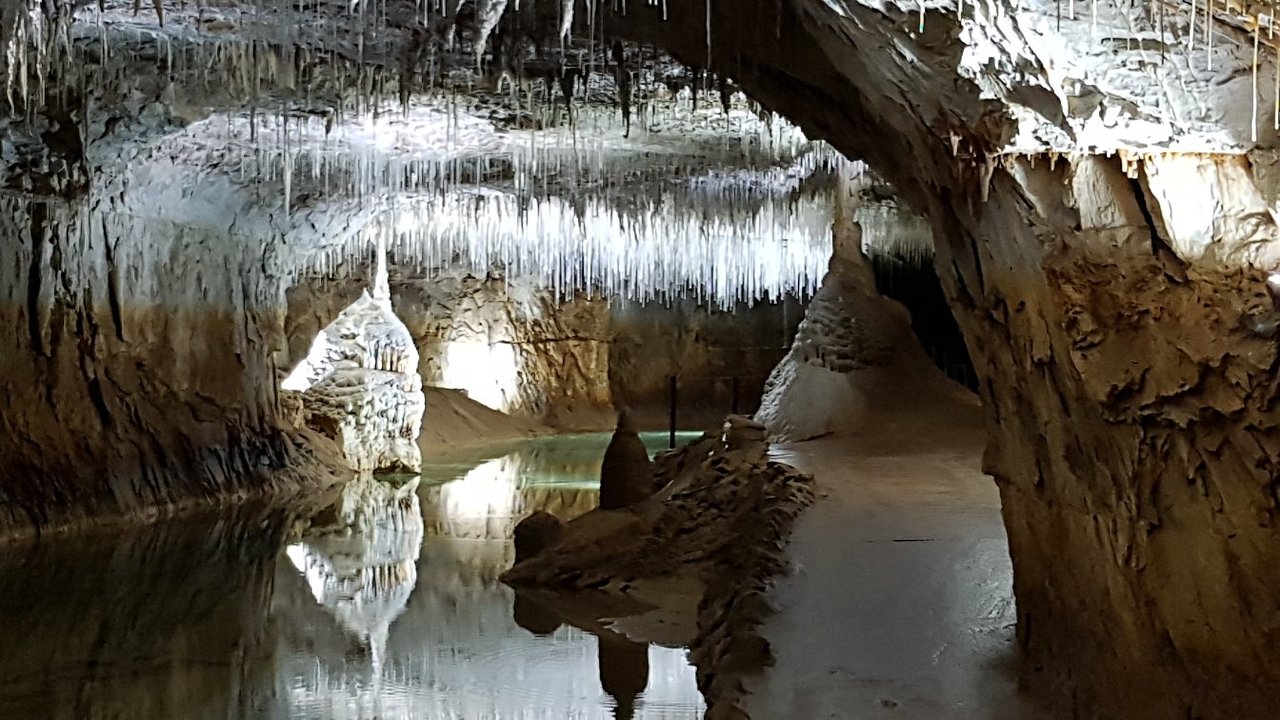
(388, 605)
(362, 565)
(622, 664)
(467, 646)
(166, 622)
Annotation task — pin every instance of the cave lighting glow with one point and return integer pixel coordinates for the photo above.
(489, 373)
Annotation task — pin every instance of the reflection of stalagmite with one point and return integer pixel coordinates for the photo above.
(626, 477)
(533, 615)
(360, 385)
(536, 533)
(360, 558)
(624, 672)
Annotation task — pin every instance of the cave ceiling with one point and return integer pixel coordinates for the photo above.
(314, 117)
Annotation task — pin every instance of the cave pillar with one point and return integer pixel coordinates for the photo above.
(1131, 393)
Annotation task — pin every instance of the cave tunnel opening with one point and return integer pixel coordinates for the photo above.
(912, 280)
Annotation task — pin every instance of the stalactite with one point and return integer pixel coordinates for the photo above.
(1208, 33)
(1253, 115)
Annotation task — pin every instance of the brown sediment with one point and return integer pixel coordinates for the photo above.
(720, 522)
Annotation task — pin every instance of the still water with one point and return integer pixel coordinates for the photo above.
(392, 609)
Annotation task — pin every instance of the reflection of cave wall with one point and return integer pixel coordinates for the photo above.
(568, 363)
(912, 281)
(166, 622)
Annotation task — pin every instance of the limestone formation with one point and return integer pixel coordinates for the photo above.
(852, 353)
(507, 343)
(136, 375)
(626, 475)
(359, 384)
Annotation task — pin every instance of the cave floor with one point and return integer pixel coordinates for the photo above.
(900, 604)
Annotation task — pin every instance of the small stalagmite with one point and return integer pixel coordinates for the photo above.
(626, 477)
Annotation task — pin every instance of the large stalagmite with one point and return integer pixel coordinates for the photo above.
(360, 385)
(854, 354)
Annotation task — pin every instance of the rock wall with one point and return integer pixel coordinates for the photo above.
(1137, 445)
(704, 348)
(137, 367)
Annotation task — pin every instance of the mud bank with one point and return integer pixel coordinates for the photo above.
(718, 523)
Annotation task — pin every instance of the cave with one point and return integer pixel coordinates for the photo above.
(639, 358)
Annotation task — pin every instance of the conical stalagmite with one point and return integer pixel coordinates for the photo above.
(626, 477)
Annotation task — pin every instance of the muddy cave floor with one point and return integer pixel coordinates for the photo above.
(899, 603)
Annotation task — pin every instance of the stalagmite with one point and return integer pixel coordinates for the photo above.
(359, 383)
(626, 476)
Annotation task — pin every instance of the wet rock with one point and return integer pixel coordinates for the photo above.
(626, 476)
(536, 533)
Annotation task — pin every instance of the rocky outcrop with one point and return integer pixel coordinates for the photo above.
(626, 475)
(722, 515)
(359, 384)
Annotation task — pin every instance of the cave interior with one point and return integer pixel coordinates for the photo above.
(937, 341)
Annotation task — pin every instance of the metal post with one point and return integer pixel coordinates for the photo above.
(673, 412)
